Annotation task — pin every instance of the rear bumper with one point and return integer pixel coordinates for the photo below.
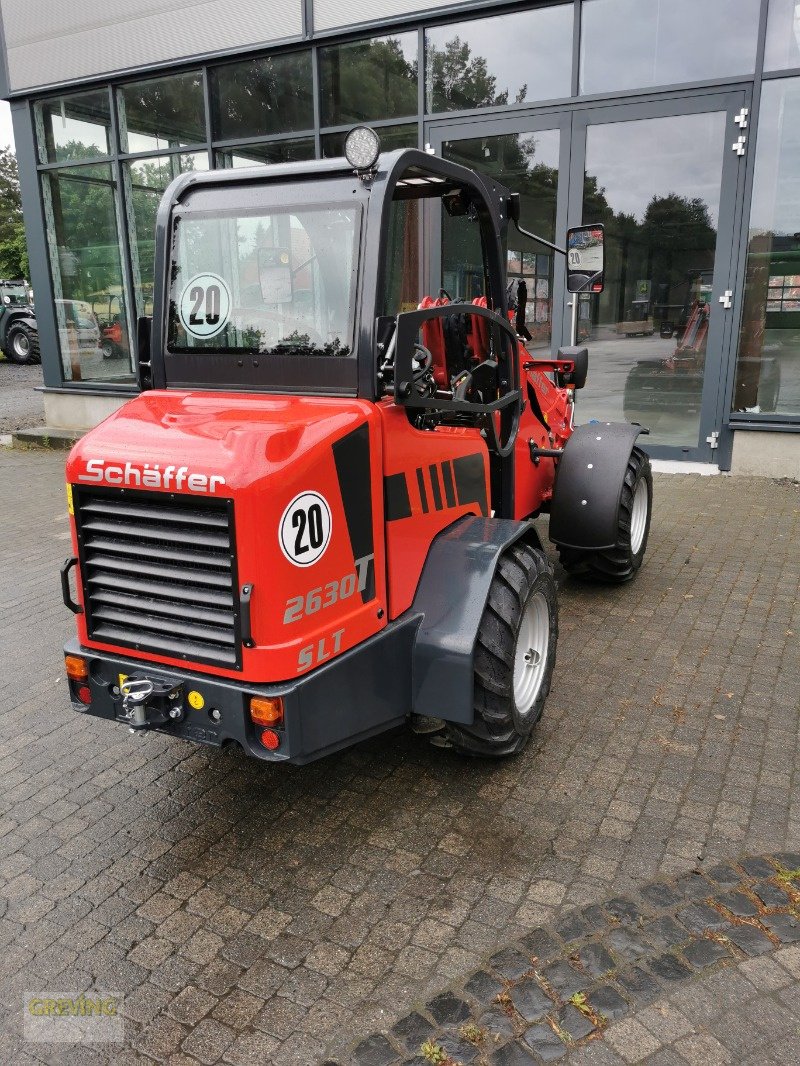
(361, 693)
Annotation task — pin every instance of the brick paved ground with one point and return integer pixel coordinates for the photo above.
(559, 992)
(249, 914)
(20, 405)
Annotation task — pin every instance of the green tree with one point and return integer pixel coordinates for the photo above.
(680, 239)
(459, 80)
(166, 109)
(84, 213)
(263, 96)
(13, 247)
(367, 82)
(674, 223)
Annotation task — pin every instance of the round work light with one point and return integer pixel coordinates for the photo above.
(362, 147)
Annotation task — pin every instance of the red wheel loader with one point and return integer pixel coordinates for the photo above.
(316, 521)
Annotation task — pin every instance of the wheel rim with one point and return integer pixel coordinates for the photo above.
(639, 516)
(530, 653)
(22, 345)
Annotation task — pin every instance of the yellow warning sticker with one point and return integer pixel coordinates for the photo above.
(196, 700)
(70, 507)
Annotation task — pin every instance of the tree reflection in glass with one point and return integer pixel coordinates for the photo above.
(655, 184)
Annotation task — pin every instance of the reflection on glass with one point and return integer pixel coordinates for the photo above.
(508, 59)
(628, 45)
(392, 137)
(260, 97)
(463, 273)
(655, 183)
(193, 161)
(162, 113)
(278, 284)
(403, 257)
(147, 179)
(71, 128)
(294, 150)
(768, 363)
(368, 80)
(145, 182)
(783, 35)
(86, 264)
(528, 164)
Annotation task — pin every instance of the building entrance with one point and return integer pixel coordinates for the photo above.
(664, 177)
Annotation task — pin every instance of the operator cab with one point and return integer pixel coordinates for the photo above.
(310, 279)
(321, 279)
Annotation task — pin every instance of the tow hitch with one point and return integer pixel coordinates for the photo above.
(147, 703)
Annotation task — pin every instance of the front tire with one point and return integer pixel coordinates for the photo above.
(22, 344)
(621, 563)
(514, 655)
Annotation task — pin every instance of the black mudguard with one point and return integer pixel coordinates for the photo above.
(589, 477)
(451, 597)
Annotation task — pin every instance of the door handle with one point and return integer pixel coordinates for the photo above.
(247, 625)
(65, 589)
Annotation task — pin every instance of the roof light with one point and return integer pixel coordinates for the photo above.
(362, 147)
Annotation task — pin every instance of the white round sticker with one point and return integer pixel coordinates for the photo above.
(205, 305)
(305, 529)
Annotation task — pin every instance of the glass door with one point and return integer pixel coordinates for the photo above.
(663, 178)
(529, 156)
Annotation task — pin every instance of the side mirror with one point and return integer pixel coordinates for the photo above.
(585, 258)
(144, 369)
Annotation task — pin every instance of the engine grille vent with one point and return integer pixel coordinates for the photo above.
(159, 574)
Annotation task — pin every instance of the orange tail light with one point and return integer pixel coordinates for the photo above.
(77, 668)
(266, 710)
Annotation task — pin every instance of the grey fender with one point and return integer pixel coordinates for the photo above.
(451, 597)
(584, 512)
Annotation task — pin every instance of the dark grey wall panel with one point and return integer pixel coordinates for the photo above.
(37, 243)
(54, 42)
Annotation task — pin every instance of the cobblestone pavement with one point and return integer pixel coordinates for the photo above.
(247, 914)
(557, 992)
(20, 405)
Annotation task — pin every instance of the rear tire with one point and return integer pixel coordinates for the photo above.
(514, 655)
(620, 563)
(22, 344)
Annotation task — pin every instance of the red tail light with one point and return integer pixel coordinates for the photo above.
(270, 739)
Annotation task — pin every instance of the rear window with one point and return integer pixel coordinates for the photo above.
(273, 283)
(16, 294)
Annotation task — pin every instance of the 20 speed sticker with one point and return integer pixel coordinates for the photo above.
(205, 305)
(305, 529)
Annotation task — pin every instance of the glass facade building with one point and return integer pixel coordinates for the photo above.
(675, 123)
